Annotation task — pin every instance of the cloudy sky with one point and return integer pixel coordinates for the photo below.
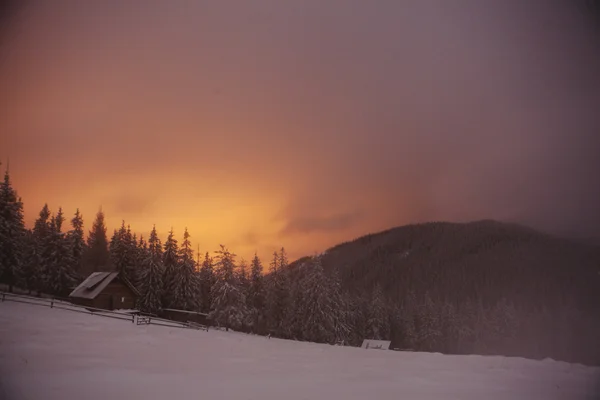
(270, 123)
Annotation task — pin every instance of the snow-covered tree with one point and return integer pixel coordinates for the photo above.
(141, 254)
(60, 274)
(378, 323)
(12, 233)
(36, 270)
(123, 252)
(151, 279)
(278, 294)
(282, 259)
(242, 276)
(76, 242)
(97, 255)
(320, 307)
(207, 281)
(229, 302)
(256, 295)
(184, 287)
(171, 264)
(30, 271)
(341, 306)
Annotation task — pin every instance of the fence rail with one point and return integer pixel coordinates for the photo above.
(139, 318)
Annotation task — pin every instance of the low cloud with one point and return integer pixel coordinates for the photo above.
(325, 224)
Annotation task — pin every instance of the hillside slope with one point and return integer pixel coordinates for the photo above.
(55, 354)
(485, 287)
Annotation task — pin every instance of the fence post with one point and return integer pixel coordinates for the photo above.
(3, 295)
(133, 318)
(52, 303)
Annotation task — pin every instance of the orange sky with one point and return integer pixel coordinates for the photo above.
(301, 124)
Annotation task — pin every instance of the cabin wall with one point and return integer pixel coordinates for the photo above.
(116, 295)
(82, 302)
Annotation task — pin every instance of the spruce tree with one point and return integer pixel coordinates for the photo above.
(37, 270)
(131, 249)
(321, 308)
(151, 279)
(183, 288)
(378, 323)
(207, 281)
(171, 264)
(123, 252)
(256, 295)
(60, 273)
(141, 254)
(30, 273)
(229, 302)
(278, 295)
(97, 255)
(77, 243)
(118, 250)
(12, 234)
(242, 276)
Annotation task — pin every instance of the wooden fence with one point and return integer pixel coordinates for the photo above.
(134, 317)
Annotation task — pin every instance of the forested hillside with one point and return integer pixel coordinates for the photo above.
(483, 287)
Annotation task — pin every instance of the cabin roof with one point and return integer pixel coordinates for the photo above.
(94, 284)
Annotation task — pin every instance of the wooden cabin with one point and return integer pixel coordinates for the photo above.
(106, 290)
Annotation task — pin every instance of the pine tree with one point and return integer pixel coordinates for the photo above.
(151, 279)
(342, 315)
(60, 274)
(282, 259)
(118, 250)
(183, 288)
(207, 281)
(97, 255)
(378, 323)
(76, 243)
(29, 273)
(123, 252)
(242, 276)
(256, 295)
(320, 309)
(171, 264)
(141, 254)
(37, 267)
(278, 295)
(131, 255)
(12, 234)
(229, 302)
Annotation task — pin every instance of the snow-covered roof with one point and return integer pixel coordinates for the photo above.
(95, 283)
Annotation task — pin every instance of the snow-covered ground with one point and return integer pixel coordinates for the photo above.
(57, 354)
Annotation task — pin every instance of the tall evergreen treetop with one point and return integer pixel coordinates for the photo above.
(151, 279)
(59, 219)
(184, 288)
(97, 256)
(207, 281)
(171, 263)
(154, 245)
(228, 299)
(12, 233)
(76, 242)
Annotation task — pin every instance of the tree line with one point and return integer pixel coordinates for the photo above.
(52, 258)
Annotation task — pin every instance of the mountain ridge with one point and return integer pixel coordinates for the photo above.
(546, 286)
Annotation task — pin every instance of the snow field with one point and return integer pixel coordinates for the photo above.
(57, 354)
